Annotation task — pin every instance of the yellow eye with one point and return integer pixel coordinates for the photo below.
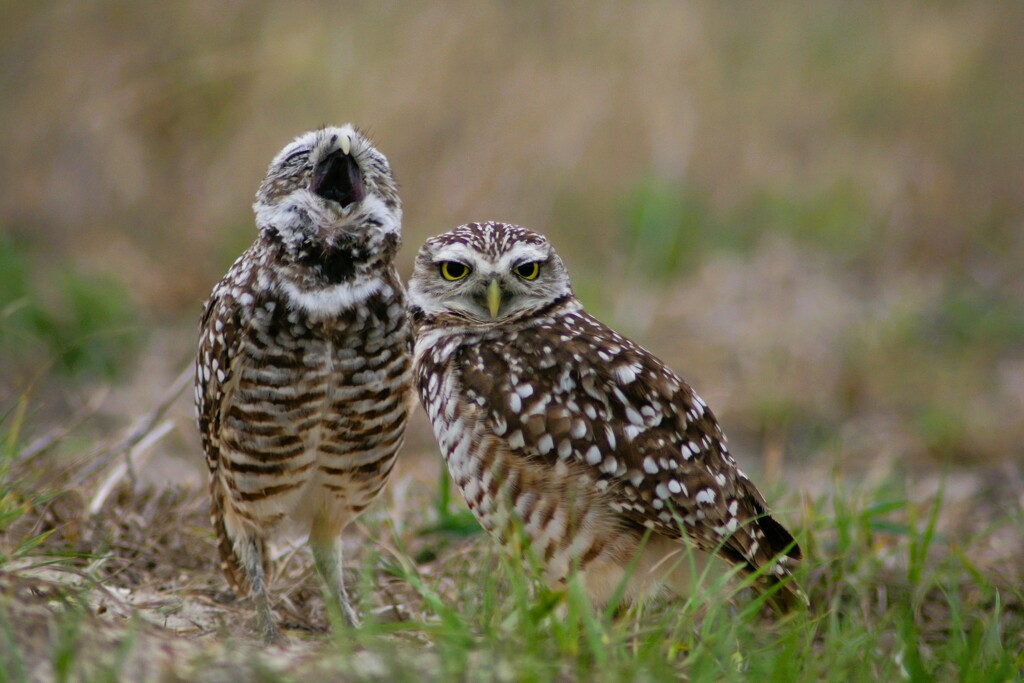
(453, 270)
(528, 271)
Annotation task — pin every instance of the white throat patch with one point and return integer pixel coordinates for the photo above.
(332, 300)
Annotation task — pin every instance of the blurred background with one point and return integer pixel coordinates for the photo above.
(814, 211)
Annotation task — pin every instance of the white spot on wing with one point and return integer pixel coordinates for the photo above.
(625, 374)
(705, 497)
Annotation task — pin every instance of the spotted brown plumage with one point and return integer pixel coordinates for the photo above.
(553, 423)
(303, 371)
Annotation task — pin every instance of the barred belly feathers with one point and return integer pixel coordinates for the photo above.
(303, 383)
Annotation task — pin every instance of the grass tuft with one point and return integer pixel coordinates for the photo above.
(900, 589)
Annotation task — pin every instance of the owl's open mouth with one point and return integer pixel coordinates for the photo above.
(337, 178)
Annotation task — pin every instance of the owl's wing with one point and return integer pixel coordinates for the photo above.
(220, 334)
(578, 391)
(218, 346)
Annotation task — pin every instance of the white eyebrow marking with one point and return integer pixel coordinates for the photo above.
(523, 253)
(456, 252)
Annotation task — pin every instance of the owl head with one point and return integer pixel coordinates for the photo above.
(329, 190)
(487, 274)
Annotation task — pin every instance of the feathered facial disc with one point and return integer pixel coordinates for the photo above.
(328, 186)
(487, 274)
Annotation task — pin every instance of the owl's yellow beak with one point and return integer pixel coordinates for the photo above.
(494, 298)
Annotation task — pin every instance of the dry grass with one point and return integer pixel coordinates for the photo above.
(812, 210)
(132, 590)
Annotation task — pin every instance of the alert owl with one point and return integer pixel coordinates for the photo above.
(303, 382)
(557, 427)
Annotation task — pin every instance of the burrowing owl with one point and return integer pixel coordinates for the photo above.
(553, 424)
(303, 377)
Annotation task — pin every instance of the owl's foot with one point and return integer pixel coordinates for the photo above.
(327, 559)
(266, 623)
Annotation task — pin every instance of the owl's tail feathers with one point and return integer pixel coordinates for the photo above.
(781, 552)
(782, 591)
(239, 573)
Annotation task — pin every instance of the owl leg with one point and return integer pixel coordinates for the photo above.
(244, 560)
(326, 547)
(253, 565)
